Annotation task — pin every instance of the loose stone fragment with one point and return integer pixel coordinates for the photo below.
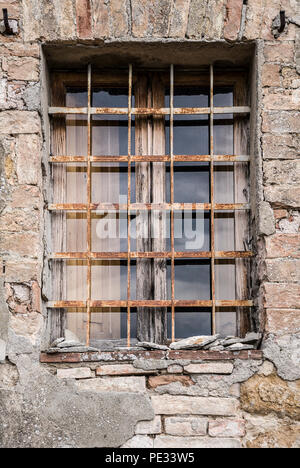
(230, 341)
(148, 345)
(57, 342)
(69, 344)
(79, 349)
(240, 347)
(251, 338)
(194, 342)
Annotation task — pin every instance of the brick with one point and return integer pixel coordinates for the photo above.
(283, 270)
(100, 15)
(283, 195)
(280, 214)
(120, 369)
(282, 321)
(114, 384)
(179, 18)
(17, 49)
(283, 245)
(282, 172)
(279, 52)
(76, 373)
(282, 295)
(21, 243)
(149, 427)
(210, 368)
(23, 68)
(119, 19)
(194, 442)
(271, 75)
(281, 122)
(282, 100)
(26, 196)
(233, 19)
(84, 19)
(14, 122)
(226, 428)
(28, 159)
(159, 380)
(166, 404)
(186, 426)
(284, 146)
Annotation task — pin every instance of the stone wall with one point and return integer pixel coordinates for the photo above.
(34, 400)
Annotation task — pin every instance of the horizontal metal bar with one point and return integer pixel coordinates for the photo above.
(151, 158)
(147, 206)
(124, 255)
(150, 111)
(133, 304)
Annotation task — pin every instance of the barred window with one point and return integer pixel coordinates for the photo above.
(150, 209)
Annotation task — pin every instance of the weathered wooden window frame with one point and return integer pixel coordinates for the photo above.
(60, 81)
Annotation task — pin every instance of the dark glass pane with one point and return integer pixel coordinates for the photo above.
(109, 280)
(191, 182)
(191, 231)
(191, 96)
(226, 322)
(146, 236)
(223, 96)
(110, 97)
(109, 135)
(191, 134)
(190, 321)
(133, 324)
(76, 97)
(192, 280)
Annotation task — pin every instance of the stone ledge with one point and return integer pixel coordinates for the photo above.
(117, 356)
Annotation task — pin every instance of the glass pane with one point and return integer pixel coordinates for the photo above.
(224, 231)
(191, 134)
(69, 279)
(191, 231)
(109, 280)
(191, 96)
(109, 231)
(226, 322)
(76, 320)
(223, 134)
(76, 135)
(109, 183)
(192, 280)
(190, 321)
(109, 97)
(191, 182)
(76, 97)
(225, 276)
(224, 182)
(109, 135)
(223, 96)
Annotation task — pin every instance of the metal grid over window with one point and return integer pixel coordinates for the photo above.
(89, 208)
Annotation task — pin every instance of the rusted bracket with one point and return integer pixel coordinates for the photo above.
(282, 21)
(8, 29)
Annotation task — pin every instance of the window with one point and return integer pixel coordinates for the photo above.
(150, 228)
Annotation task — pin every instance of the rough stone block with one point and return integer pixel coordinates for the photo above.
(284, 146)
(179, 18)
(194, 442)
(29, 159)
(21, 243)
(282, 321)
(282, 295)
(84, 20)
(281, 53)
(283, 270)
(226, 428)
(166, 404)
(282, 99)
(283, 245)
(233, 19)
(271, 75)
(283, 195)
(114, 384)
(282, 172)
(14, 122)
(186, 426)
(75, 373)
(210, 368)
(139, 441)
(100, 16)
(185, 380)
(120, 369)
(280, 122)
(25, 68)
(149, 427)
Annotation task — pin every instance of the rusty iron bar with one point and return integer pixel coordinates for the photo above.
(172, 199)
(212, 200)
(128, 203)
(8, 29)
(89, 219)
(148, 206)
(149, 111)
(133, 255)
(156, 304)
(150, 158)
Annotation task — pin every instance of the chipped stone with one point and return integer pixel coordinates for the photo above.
(148, 345)
(76, 373)
(195, 342)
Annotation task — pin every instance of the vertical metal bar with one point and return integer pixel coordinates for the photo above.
(89, 217)
(128, 205)
(212, 201)
(172, 195)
